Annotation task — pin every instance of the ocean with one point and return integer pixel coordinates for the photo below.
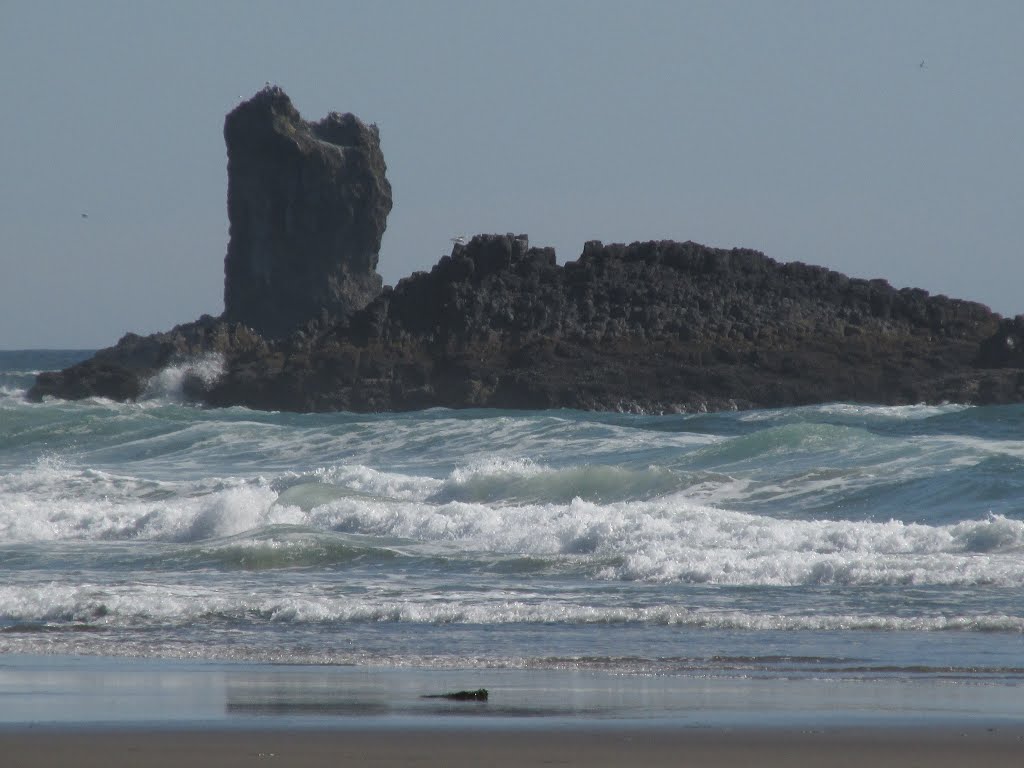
(650, 564)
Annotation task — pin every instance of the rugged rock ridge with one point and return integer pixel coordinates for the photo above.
(122, 372)
(307, 205)
(654, 326)
(657, 326)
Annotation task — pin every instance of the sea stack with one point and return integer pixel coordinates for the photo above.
(307, 204)
(654, 327)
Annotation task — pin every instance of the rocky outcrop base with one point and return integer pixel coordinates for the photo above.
(653, 327)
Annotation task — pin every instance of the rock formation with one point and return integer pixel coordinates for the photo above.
(654, 326)
(657, 326)
(122, 372)
(307, 205)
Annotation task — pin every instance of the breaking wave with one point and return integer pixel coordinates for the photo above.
(665, 538)
(172, 383)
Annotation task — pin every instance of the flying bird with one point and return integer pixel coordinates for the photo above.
(85, 215)
(921, 65)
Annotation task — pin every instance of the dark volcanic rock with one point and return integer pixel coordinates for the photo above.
(125, 371)
(1005, 348)
(308, 204)
(654, 326)
(659, 326)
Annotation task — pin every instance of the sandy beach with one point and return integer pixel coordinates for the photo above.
(85, 712)
(585, 746)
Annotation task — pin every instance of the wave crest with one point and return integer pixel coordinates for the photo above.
(176, 382)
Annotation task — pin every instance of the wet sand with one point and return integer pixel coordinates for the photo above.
(974, 745)
(82, 712)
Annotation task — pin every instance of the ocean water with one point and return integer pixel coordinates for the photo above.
(838, 544)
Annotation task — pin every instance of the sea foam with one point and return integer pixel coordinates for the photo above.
(170, 383)
(663, 538)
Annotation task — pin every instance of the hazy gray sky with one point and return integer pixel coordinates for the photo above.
(807, 130)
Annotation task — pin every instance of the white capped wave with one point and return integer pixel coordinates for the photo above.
(662, 539)
(857, 410)
(54, 502)
(171, 604)
(516, 467)
(170, 383)
(673, 539)
(11, 396)
(367, 480)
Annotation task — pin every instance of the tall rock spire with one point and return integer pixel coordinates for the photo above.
(307, 205)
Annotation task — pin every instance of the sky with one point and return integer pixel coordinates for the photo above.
(880, 139)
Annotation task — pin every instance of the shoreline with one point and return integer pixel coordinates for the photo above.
(85, 693)
(588, 744)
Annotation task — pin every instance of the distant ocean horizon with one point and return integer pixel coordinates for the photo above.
(841, 544)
